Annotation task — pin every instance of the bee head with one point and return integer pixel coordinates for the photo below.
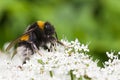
(49, 29)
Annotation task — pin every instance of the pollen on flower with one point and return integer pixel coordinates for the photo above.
(68, 62)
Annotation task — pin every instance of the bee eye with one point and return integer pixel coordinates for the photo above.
(49, 29)
(48, 26)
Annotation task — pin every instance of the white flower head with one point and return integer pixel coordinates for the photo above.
(69, 62)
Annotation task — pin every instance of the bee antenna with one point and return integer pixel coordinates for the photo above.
(56, 36)
(58, 40)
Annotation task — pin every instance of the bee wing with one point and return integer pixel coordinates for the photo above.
(18, 39)
(28, 31)
(13, 43)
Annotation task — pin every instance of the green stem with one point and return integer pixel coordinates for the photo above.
(51, 74)
(71, 75)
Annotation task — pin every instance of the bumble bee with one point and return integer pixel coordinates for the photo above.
(36, 35)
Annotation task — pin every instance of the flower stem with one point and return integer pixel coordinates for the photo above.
(71, 75)
(51, 74)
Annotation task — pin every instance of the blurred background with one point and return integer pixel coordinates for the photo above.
(96, 22)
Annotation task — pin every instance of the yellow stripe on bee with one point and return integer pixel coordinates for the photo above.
(40, 24)
(25, 37)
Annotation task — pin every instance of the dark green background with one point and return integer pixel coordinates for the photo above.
(91, 21)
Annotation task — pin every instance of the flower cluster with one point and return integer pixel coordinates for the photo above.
(69, 62)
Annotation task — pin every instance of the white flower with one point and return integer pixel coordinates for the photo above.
(69, 62)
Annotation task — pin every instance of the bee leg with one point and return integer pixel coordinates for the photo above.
(26, 56)
(34, 48)
(14, 53)
(60, 43)
(46, 48)
(52, 45)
